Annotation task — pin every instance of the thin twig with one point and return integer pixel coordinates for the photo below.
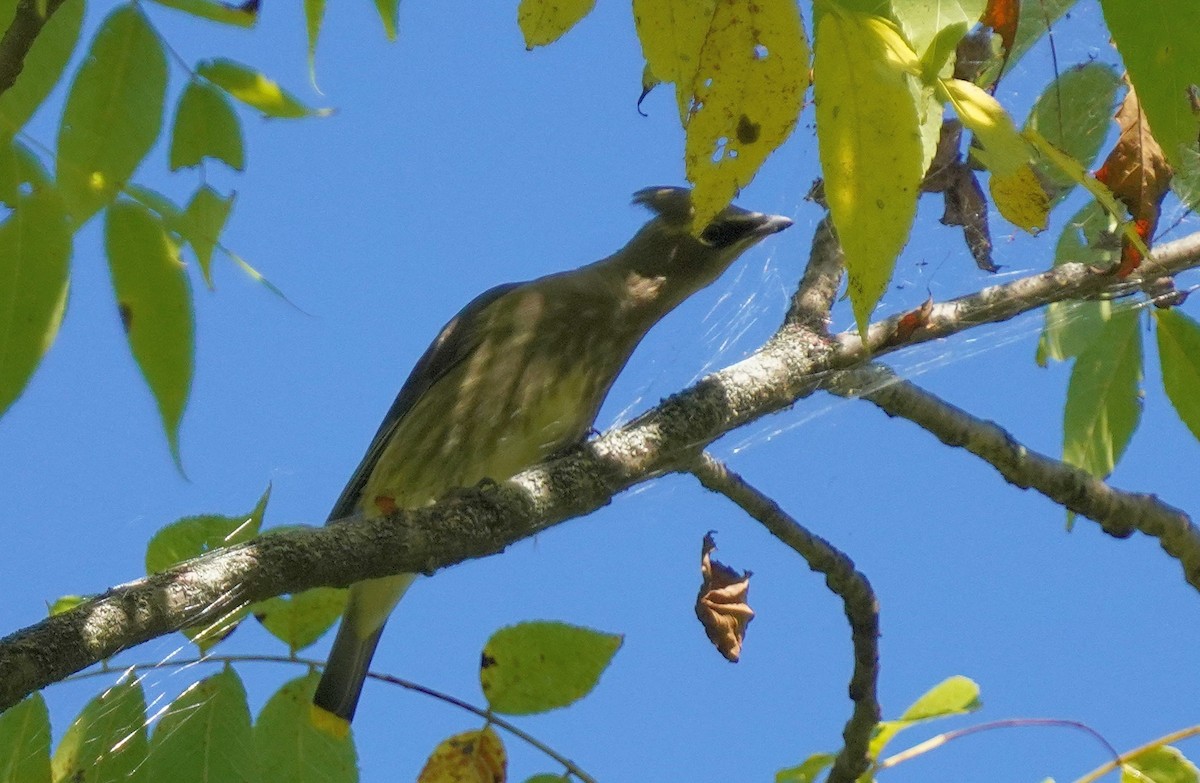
(27, 23)
(311, 663)
(1119, 513)
(862, 610)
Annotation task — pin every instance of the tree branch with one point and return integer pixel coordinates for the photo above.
(861, 606)
(483, 521)
(27, 23)
(1118, 513)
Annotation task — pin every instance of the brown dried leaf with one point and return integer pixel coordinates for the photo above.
(965, 204)
(1138, 174)
(722, 603)
(912, 321)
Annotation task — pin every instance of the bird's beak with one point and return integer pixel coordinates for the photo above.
(773, 224)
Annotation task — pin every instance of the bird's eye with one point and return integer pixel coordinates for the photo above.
(723, 233)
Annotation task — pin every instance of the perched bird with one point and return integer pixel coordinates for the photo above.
(516, 376)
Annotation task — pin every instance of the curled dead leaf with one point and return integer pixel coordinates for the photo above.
(722, 604)
(1138, 174)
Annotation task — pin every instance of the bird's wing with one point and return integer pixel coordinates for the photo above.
(457, 340)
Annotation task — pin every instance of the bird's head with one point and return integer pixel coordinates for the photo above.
(667, 261)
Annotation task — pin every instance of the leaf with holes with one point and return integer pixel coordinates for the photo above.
(748, 91)
(672, 33)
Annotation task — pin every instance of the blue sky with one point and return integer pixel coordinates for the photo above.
(457, 160)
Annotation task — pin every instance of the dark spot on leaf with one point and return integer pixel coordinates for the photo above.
(486, 660)
(126, 316)
(879, 203)
(747, 131)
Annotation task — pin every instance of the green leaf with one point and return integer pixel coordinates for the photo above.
(1074, 114)
(936, 57)
(301, 619)
(107, 741)
(65, 603)
(1158, 44)
(314, 15)
(1104, 396)
(956, 695)
(543, 22)
(291, 749)
(808, 771)
(255, 90)
(539, 666)
(1073, 325)
(206, 126)
(25, 742)
(924, 20)
(113, 112)
(202, 224)
(237, 15)
(35, 254)
(1163, 764)
(952, 696)
(191, 537)
(870, 147)
(204, 735)
(1179, 353)
(389, 14)
(168, 210)
(548, 777)
(1186, 182)
(155, 303)
(43, 64)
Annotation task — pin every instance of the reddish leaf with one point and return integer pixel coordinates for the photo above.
(721, 604)
(1138, 174)
(912, 321)
(1002, 16)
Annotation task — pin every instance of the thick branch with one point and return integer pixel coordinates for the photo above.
(477, 523)
(861, 606)
(20, 37)
(1119, 513)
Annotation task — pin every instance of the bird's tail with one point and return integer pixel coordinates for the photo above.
(366, 612)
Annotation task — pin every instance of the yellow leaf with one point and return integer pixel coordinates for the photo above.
(1004, 150)
(545, 21)
(672, 32)
(747, 94)
(1021, 198)
(470, 757)
(870, 145)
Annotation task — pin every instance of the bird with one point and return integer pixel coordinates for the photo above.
(516, 376)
